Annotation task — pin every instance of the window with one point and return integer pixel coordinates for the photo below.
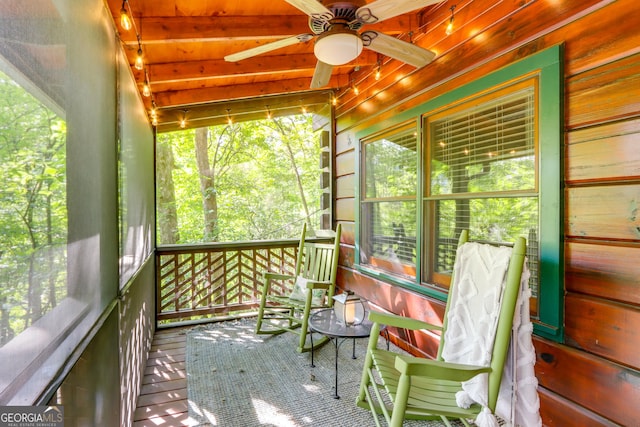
(389, 208)
(481, 160)
(488, 159)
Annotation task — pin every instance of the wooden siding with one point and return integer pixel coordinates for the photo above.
(592, 378)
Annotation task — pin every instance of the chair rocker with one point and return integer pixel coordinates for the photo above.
(398, 387)
(313, 288)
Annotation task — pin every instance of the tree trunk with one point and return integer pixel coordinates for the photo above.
(207, 185)
(294, 166)
(50, 255)
(167, 213)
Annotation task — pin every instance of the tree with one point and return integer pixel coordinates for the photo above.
(207, 185)
(289, 131)
(167, 214)
(245, 181)
(33, 205)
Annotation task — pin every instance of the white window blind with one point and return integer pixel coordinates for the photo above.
(482, 160)
(473, 150)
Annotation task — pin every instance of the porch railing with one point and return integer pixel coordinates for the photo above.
(216, 280)
(219, 280)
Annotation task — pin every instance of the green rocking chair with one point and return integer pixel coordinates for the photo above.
(403, 387)
(314, 284)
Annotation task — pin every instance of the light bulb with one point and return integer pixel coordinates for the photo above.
(449, 29)
(146, 91)
(154, 121)
(125, 19)
(377, 76)
(183, 123)
(139, 64)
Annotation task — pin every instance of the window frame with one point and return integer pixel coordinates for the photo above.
(546, 67)
(398, 129)
(431, 277)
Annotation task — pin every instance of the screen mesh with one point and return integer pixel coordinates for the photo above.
(59, 200)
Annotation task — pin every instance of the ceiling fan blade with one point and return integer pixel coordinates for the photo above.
(310, 7)
(397, 49)
(268, 47)
(321, 75)
(384, 9)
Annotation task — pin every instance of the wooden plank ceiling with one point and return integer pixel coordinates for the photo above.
(184, 43)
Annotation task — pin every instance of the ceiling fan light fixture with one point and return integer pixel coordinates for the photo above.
(338, 46)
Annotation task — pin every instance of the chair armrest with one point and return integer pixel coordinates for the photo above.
(276, 276)
(315, 284)
(418, 366)
(401, 321)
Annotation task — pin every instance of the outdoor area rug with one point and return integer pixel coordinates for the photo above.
(238, 379)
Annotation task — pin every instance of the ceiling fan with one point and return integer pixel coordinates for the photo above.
(338, 42)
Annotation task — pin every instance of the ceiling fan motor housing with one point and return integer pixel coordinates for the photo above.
(343, 12)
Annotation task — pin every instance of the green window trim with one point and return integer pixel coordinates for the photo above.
(546, 65)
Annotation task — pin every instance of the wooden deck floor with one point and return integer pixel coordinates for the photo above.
(163, 397)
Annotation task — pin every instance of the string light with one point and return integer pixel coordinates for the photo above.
(229, 121)
(153, 113)
(146, 90)
(268, 113)
(378, 71)
(154, 108)
(449, 29)
(127, 22)
(183, 122)
(139, 63)
(125, 19)
(334, 100)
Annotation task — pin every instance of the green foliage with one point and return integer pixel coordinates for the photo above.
(33, 219)
(255, 169)
(391, 169)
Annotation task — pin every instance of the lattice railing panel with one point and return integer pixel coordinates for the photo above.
(217, 279)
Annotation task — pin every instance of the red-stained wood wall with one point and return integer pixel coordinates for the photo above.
(593, 377)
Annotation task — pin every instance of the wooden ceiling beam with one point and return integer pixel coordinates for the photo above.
(260, 65)
(182, 99)
(216, 121)
(242, 110)
(225, 28)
